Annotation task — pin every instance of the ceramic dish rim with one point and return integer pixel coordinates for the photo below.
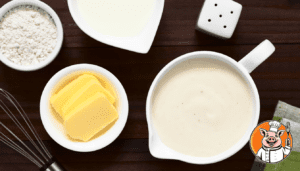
(202, 160)
(114, 41)
(99, 142)
(14, 3)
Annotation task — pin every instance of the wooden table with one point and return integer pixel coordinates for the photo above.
(276, 79)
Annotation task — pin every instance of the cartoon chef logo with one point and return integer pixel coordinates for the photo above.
(271, 141)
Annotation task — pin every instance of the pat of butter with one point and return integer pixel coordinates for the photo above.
(90, 117)
(87, 91)
(60, 99)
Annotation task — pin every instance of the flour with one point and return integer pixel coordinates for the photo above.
(28, 35)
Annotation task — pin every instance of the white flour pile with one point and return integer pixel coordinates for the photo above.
(28, 35)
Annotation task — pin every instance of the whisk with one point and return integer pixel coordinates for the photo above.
(45, 161)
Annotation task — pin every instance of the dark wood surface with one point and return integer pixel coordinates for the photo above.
(276, 79)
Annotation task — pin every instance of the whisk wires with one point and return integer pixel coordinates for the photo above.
(6, 140)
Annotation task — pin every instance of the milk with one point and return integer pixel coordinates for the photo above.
(120, 18)
(202, 107)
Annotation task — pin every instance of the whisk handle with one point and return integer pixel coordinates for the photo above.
(53, 165)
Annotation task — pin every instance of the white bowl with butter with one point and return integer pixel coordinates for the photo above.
(55, 127)
(203, 106)
(129, 25)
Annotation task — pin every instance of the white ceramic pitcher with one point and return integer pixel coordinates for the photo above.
(245, 66)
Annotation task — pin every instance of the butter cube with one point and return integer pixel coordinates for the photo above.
(90, 117)
(60, 99)
(87, 91)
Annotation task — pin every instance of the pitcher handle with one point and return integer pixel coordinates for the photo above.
(258, 55)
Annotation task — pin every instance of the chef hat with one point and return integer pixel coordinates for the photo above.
(274, 125)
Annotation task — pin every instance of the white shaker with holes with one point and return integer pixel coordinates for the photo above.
(219, 17)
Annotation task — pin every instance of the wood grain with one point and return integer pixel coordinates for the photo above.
(277, 20)
(123, 154)
(276, 79)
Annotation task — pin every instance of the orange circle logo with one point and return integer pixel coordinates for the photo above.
(271, 141)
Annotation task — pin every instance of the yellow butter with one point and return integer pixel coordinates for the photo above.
(90, 117)
(60, 99)
(105, 83)
(84, 93)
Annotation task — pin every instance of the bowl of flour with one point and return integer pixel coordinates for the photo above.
(31, 35)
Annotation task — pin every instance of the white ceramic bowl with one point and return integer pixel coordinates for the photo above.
(55, 128)
(12, 4)
(245, 66)
(139, 44)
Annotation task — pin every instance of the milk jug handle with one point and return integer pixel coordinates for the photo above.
(258, 55)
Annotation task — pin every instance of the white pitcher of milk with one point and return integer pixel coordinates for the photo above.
(202, 106)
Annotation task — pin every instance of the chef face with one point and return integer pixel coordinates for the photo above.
(271, 139)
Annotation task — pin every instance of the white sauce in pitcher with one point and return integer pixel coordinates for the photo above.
(120, 18)
(202, 107)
